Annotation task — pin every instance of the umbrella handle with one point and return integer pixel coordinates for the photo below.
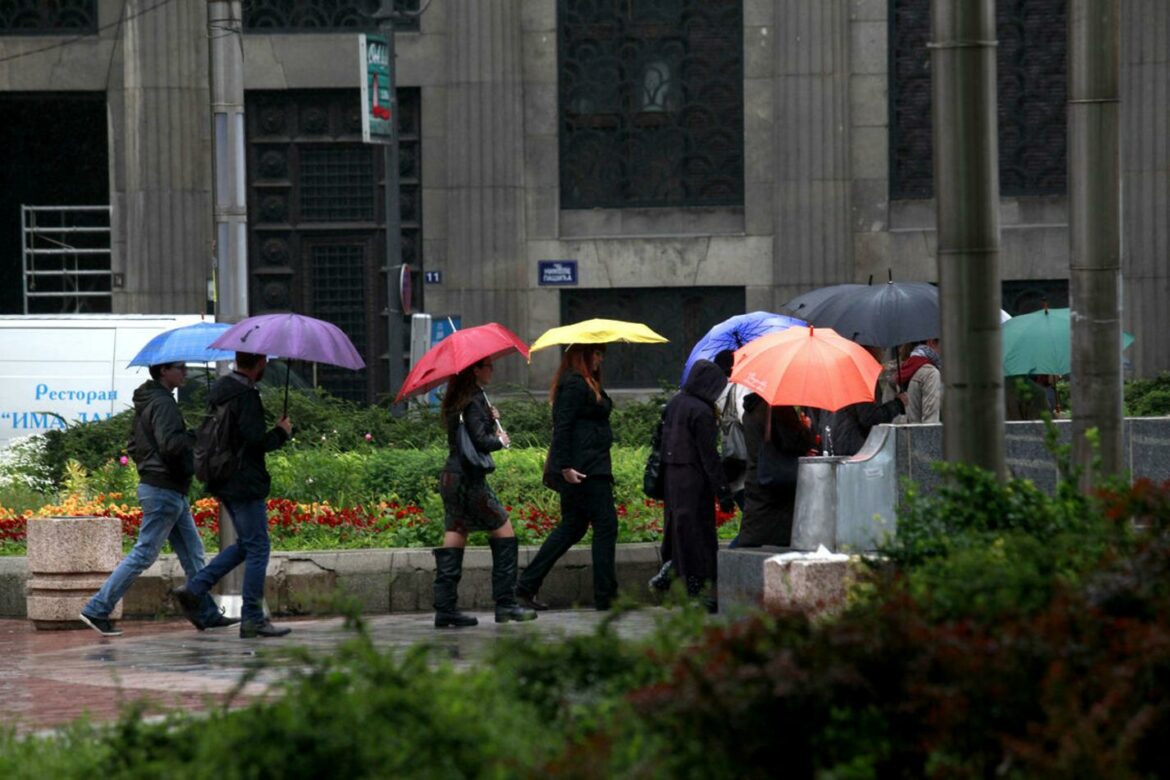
(288, 370)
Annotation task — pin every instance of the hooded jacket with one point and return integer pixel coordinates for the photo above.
(251, 481)
(161, 445)
(689, 430)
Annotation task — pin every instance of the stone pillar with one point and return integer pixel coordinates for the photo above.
(486, 273)
(161, 160)
(812, 246)
(68, 560)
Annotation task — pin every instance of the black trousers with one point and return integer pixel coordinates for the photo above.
(589, 503)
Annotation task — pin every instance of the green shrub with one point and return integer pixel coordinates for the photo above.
(1148, 397)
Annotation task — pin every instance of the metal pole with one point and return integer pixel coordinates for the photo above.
(1094, 233)
(966, 178)
(396, 330)
(226, 65)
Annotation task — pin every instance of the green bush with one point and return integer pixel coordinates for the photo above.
(1148, 397)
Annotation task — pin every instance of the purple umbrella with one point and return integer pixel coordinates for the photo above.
(292, 336)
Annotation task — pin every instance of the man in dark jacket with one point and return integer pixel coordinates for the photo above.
(694, 478)
(160, 445)
(244, 494)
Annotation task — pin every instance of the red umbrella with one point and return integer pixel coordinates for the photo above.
(807, 367)
(456, 352)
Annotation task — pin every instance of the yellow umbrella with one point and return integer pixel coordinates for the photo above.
(598, 332)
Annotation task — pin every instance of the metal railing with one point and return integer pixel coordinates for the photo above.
(66, 251)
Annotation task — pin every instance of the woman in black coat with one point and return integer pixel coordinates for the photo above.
(469, 503)
(579, 457)
(768, 511)
(693, 477)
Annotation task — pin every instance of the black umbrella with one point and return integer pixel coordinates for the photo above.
(877, 315)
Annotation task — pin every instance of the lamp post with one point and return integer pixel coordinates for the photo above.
(384, 19)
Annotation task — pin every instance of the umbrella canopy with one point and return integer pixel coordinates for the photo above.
(733, 333)
(456, 352)
(598, 331)
(1039, 343)
(807, 367)
(292, 336)
(879, 315)
(190, 343)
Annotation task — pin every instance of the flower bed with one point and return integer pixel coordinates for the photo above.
(319, 525)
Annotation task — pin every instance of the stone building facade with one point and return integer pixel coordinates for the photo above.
(693, 158)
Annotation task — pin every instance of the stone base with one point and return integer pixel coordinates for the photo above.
(763, 577)
(68, 560)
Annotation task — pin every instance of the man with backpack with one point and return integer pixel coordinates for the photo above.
(241, 483)
(160, 445)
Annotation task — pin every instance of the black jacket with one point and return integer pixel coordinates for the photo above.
(689, 431)
(477, 418)
(581, 433)
(161, 445)
(251, 481)
(844, 431)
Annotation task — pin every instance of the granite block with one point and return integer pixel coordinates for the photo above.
(806, 584)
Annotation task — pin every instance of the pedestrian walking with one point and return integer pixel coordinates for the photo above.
(694, 479)
(244, 494)
(469, 503)
(580, 457)
(161, 447)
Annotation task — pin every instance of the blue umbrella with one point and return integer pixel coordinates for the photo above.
(734, 332)
(190, 343)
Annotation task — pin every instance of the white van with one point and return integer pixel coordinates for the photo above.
(57, 370)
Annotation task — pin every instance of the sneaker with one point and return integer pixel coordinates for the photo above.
(101, 625)
(661, 581)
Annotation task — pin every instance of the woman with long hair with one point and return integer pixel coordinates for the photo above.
(469, 503)
(579, 455)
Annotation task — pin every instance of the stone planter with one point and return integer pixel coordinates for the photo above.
(68, 560)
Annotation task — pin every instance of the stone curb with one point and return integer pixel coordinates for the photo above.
(378, 581)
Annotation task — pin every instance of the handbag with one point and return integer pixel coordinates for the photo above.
(468, 451)
(552, 478)
(734, 455)
(653, 477)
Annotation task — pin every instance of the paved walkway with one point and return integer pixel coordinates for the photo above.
(50, 678)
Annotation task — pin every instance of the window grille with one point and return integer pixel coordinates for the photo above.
(1032, 64)
(339, 296)
(308, 16)
(337, 184)
(38, 17)
(651, 103)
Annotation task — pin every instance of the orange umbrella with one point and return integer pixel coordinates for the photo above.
(807, 367)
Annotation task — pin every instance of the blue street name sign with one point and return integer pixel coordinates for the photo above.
(556, 271)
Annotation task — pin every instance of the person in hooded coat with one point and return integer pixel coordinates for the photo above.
(693, 477)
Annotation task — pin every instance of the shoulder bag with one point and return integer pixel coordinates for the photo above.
(480, 460)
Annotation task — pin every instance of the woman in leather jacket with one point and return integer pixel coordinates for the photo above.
(469, 503)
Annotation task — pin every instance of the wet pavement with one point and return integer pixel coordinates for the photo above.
(50, 678)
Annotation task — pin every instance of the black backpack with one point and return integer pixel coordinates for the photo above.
(217, 457)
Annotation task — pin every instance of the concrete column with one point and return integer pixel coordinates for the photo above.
(162, 183)
(486, 269)
(813, 235)
(1145, 182)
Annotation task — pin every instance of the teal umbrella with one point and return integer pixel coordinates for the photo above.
(1039, 343)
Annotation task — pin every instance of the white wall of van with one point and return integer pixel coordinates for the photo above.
(66, 369)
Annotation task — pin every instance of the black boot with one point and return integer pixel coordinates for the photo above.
(448, 572)
(661, 581)
(504, 554)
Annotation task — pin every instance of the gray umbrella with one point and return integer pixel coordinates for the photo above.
(877, 315)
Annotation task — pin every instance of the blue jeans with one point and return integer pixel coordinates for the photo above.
(251, 549)
(166, 515)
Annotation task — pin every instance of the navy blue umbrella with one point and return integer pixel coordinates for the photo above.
(733, 333)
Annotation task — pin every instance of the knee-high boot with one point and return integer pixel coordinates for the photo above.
(505, 551)
(448, 572)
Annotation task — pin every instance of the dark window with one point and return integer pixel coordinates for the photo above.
(681, 314)
(1032, 60)
(651, 103)
(1025, 296)
(316, 220)
(284, 16)
(47, 17)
